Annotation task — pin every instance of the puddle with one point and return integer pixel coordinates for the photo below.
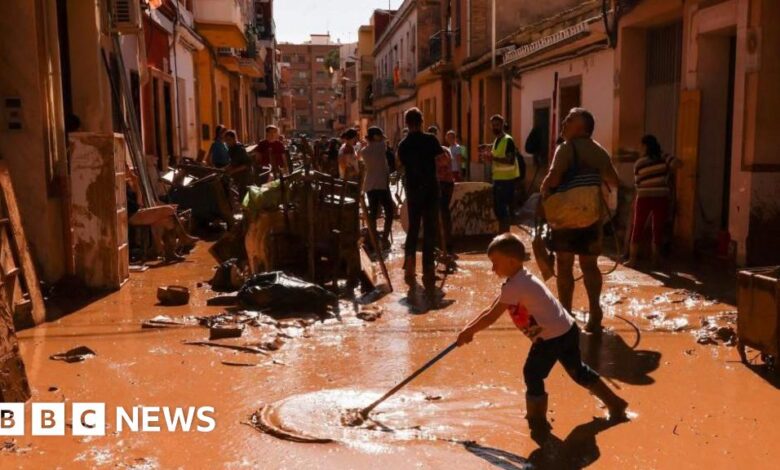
(419, 415)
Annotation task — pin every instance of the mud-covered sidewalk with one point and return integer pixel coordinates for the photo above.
(695, 405)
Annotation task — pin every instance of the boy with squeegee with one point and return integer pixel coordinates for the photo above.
(553, 332)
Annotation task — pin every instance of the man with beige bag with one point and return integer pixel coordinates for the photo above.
(573, 208)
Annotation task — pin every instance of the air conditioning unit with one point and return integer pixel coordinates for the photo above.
(125, 16)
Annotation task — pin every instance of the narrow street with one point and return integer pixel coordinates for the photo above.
(205, 206)
(690, 403)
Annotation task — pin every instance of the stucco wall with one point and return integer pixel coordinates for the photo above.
(597, 92)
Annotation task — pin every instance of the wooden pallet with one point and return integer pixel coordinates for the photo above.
(19, 286)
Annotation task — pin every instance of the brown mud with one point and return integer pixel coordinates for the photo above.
(695, 405)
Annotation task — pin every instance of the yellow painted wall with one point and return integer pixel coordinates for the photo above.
(204, 70)
(430, 100)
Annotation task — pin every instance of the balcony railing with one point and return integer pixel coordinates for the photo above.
(265, 29)
(435, 46)
(383, 87)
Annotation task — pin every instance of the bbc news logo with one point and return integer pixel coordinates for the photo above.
(89, 419)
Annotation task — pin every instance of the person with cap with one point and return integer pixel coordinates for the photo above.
(376, 182)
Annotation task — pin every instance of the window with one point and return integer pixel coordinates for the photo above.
(320, 75)
(321, 121)
(303, 75)
(320, 106)
(320, 91)
(320, 59)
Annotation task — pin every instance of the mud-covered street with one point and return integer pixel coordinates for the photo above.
(691, 405)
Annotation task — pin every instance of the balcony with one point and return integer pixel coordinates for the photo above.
(266, 30)
(383, 87)
(435, 46)
(366, 65)
(250, 68)
(220, 22)
(228, 58)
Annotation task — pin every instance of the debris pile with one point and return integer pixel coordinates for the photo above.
(718, 329)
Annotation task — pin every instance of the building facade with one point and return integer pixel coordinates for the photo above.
(311, 85)
(711, 107)
(97, 84)
(395, 70)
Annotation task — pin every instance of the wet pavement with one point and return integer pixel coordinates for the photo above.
(694, 405)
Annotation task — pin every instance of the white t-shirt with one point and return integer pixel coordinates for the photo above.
(456, 152)
(533, 308)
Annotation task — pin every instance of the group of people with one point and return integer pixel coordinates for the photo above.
(268, 159)
(543, 318)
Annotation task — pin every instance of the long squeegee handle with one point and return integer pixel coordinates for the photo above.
(365, 411)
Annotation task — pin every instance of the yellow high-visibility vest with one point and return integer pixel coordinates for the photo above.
(504, 171)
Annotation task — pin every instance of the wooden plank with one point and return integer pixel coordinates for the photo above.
(27, 266)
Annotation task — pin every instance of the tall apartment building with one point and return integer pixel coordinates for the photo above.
(310, 84)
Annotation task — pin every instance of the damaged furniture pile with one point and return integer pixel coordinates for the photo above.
(305, 224)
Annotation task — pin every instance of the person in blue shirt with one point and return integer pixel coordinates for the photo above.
(218, 156)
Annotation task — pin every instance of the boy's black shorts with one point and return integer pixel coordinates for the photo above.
(543, 356)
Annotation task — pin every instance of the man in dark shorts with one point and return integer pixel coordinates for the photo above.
(585, 243)
(418, 152)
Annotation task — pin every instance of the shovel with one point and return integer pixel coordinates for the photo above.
(356, 417)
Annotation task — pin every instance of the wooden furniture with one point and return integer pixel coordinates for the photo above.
(99, 209)
(758, 317)
(19, 287)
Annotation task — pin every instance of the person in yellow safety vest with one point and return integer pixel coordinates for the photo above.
(506, 170)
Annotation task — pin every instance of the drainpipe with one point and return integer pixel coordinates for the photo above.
(493, 35)
(176, 76)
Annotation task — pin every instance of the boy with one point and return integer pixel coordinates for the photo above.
(550, 328)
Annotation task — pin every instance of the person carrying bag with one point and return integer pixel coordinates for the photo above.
(577, 202)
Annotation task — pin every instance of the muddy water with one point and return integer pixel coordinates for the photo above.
(697, 406)
(420, 415)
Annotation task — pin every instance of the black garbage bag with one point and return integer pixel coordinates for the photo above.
(281, 292)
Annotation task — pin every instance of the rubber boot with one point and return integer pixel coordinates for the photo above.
(536, 414)
(536, 408)
(615, 405)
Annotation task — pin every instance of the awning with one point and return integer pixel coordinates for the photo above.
(222, 35)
